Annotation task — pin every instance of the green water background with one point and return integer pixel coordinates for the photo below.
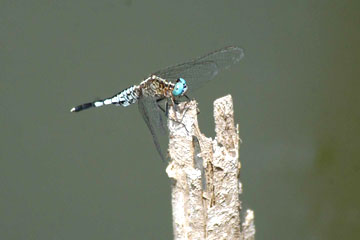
(97, 175)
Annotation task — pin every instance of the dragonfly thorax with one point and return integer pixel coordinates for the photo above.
(155, 86)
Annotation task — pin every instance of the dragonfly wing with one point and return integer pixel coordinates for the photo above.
(155, 119)
(199, 70)
(195, 74)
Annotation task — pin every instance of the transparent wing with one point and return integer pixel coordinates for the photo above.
(200, 70)
(196, 72)
(155, 119)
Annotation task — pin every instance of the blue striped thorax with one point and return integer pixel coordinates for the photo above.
(180, 87)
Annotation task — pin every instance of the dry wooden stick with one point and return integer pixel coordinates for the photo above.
(205, 176)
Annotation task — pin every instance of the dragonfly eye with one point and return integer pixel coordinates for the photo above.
(180, 87)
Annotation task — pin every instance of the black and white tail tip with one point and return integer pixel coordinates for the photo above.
(90, 105)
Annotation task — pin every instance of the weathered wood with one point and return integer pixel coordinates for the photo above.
(205, 176)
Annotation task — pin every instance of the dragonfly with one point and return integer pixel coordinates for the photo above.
(170, 85)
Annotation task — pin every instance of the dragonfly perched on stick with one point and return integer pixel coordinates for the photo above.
(169, 85)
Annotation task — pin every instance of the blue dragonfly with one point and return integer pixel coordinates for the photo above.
(169, 85)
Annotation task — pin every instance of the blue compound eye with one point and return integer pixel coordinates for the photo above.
(180, 87)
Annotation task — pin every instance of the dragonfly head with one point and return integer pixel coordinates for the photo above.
(180, 87)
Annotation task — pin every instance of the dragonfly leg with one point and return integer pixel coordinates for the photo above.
(187, 97)
(166, 110)
(158, 104)
(174, 103)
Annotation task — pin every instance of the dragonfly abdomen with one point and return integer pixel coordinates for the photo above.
(124, 98)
